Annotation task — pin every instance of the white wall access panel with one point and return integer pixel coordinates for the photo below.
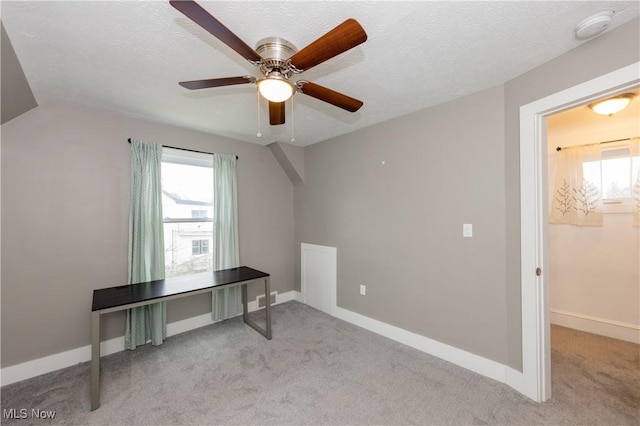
(319, 276)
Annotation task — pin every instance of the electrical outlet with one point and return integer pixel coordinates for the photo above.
(467, 230)
(363, 290)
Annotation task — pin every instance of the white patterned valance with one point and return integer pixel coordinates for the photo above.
(576, 200)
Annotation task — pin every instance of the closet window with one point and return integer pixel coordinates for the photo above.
(615, 174)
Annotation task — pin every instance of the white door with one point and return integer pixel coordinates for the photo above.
(318, 280)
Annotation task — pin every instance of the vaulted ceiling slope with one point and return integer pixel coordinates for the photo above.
(17, 97)
(129, 57)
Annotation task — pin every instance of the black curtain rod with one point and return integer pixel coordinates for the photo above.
(599, 143)
(184, 149)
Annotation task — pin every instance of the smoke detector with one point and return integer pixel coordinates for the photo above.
(594, 25)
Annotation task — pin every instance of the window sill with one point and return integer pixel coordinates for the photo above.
(617, 207)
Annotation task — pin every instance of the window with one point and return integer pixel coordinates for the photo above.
(615, 176)
(199, 247)
(187, 205)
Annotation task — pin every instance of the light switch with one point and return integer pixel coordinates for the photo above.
(467, 230)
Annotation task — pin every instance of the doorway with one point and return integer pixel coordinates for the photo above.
(536, 365)
(594, 272)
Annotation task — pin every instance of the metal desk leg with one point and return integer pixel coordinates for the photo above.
(267, 298)
(95, 360)
(245, 304)
(266, 331)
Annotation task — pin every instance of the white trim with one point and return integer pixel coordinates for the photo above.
(298, 296)
(601, 326)
(492, 369)
(283, 297)
(47, 364)
(515, 379)
(536, 374)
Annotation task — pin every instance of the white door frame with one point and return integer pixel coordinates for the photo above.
(536, 352)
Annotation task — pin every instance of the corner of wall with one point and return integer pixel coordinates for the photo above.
(18, 97)
(291, 159)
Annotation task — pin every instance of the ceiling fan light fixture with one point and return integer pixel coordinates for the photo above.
(612, 105)
(278, 59)
(275, 88)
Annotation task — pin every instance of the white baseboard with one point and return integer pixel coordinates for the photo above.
(459, 357)
(36, 367)
(298, 297)
(515, 379)
(603, 327)
(475, 363)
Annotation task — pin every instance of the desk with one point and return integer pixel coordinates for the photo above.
(123, 297)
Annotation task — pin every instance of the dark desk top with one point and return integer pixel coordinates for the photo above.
(112, 297)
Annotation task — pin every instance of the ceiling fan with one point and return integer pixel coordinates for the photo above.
(278, 60)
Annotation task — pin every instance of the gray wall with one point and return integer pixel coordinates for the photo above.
(17, 96)
(65, 201)
(609, 52)
(398, 226)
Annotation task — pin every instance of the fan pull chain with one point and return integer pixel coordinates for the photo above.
(293, 139)
(258, 103)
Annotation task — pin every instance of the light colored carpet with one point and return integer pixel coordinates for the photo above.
(320, 370)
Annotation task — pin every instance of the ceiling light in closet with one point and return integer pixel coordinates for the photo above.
(612, 105)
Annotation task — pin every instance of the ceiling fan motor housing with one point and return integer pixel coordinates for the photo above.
(275, 52)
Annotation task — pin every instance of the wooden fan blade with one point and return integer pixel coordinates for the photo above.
(276, 113)
(345, 36)
(197, 14)
(216, 82)
(331, 96)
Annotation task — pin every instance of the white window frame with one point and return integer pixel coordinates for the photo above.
(616, 205)
(190, 158)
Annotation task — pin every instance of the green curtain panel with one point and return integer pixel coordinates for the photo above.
(146, 243)
(225, 303)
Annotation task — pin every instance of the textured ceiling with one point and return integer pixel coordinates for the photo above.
(129, 56)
